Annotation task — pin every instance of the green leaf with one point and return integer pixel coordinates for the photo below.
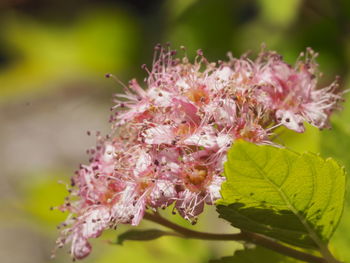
(297, 199)
(336, 143)
(142, 235)
(257, 254)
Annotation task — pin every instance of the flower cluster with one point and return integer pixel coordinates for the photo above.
(169, 141)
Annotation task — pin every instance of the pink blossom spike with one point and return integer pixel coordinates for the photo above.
(169, 139)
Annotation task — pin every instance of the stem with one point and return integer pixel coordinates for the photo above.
(328, 255)
(188, 233)
(243, 236)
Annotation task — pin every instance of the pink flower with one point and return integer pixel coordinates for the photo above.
(292, 92)
(169, 140)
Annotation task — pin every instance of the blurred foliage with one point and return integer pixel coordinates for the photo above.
(98, 41)
(250, 255)
(51, 46)
(43, 195)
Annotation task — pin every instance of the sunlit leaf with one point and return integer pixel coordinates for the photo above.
(336, 143)
(294, 198)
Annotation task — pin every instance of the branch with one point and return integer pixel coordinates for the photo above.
(243, 236)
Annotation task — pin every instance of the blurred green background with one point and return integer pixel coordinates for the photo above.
(53, 57)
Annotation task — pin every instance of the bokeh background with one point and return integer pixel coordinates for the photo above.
(53, 57)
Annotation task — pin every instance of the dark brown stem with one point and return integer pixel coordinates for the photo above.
(243, 236)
